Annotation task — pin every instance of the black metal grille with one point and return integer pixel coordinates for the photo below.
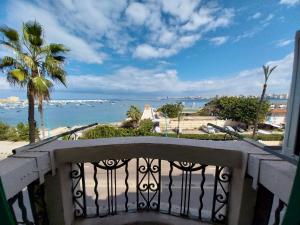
(32, 196)
(183, 189)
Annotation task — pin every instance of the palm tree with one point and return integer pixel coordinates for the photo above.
(135, 115)
(33, 62)
(267, 72)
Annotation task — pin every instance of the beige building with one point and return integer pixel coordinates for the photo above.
(12, 99)
(277, 116)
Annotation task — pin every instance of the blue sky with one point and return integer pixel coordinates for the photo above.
(122, 48)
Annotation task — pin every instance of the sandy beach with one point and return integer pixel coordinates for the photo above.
(7, 146)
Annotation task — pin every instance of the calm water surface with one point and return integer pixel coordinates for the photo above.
(71, 114)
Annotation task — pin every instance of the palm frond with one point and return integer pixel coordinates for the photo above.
(11, 38)
(267, 71)
(59, 58)
(53, 68)
(55, 49)
(273, 68)
(7, 62)
(29, 62)
(18, 74)
(33, 33)
(41, 85)
(11, 34)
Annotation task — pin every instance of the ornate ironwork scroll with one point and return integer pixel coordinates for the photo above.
(187, 169)
(20, 198)
(148, 184)
(221, 194)
(78, 190)
(111, 166)
(170, 187)
(202, 191)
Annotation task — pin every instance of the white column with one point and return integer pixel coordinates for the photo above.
(293, 104)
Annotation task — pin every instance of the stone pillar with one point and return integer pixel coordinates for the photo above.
(58, 197)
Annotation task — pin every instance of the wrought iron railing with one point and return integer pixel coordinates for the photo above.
(144, 184)
(28, 206)
(198, 187)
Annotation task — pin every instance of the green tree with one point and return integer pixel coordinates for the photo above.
(242, 109)
(145, 128)
(171, 110)
(134, 114)
(267, 72)
(33, 62)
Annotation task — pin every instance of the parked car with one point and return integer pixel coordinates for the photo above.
(229, 128)
(208, 129)
(239, 129)
(263, 132)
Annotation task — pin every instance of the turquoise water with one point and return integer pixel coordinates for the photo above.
(71, 114)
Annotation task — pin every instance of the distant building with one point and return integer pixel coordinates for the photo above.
(12, 99)
(147, 113)
(277, 116)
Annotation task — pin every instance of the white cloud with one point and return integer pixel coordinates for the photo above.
(122, 26)
(268, 18)
(183, 9)
(137, 12)
(219, 40)
(284, 42)
(256, 29)
(54, 32)
(256, 16)
(159, 81)
(289, 2)
(146, 51)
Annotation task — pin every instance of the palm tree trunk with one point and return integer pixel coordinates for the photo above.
(258, 110)
(31, 122)
(41, 111)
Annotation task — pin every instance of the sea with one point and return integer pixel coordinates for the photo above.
(69, 113)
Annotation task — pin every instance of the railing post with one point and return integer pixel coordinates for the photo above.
(242, 197)
(59, 196)
(263, 207)
(36, 193)
(6, 216)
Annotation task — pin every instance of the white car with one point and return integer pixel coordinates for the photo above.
(229, 128)
(208, 129)
(263, 132)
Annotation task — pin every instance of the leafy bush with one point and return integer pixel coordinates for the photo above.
(171, 110)
(18, 133)
(105, 131)
(145, 128)
(4, 129)
(215, 137)
(267, 137)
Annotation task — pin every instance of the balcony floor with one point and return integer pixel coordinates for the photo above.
(142, 218)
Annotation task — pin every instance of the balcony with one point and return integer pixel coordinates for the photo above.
(146, 180)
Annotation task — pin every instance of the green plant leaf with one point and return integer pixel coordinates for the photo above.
(41, 85)
(18, 74)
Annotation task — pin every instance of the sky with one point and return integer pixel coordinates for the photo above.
(158, 48)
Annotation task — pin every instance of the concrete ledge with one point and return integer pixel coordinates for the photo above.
(141, 218)
(273, 173)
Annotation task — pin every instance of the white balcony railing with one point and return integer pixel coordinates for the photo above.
(127, 180)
